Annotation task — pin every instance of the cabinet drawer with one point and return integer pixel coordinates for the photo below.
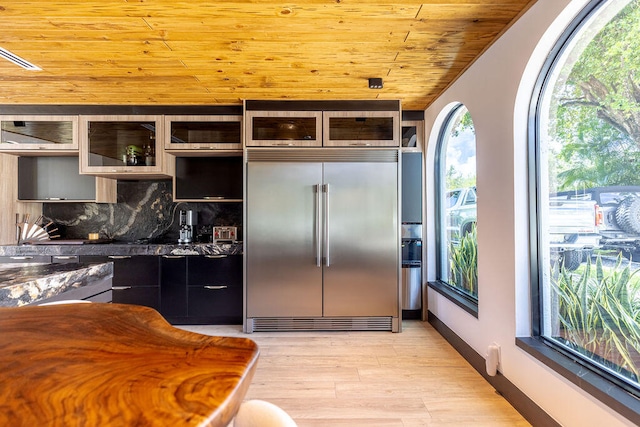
(20, 259)
(140, 295)
(135, 271)
(215, 270)
(220, 302)
(63, 259)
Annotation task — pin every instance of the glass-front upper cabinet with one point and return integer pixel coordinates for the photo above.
(122, 145)
(361, 128)
(284, 128)
(412, 135)
(203, 133)
(30, 133)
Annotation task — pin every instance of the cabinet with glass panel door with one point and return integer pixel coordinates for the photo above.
(202, 133)
(284, 128)
(361, 128)
(412, 135)
(125, 147)
(22, 134)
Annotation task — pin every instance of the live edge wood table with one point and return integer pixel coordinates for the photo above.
(116, 365)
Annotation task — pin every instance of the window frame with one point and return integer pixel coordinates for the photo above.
(459, 298)
(579, 370)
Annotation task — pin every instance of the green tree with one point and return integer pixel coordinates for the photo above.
(597, 116)
(455, 179)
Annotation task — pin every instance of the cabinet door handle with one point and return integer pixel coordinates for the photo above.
(64, 257)
(173, 256)
(21, 257)
(119, 256)
(120, 288)
(360, 144)
(215, 256)
(216, 287)
(283, 144)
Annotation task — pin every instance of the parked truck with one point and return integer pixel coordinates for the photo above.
(573, 224)
(620, 210)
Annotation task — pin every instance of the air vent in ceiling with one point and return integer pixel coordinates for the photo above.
(17, 60)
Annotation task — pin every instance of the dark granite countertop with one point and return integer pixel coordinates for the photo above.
(122, 249)
(22, 284)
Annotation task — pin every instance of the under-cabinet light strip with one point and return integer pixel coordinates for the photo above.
(17, 60)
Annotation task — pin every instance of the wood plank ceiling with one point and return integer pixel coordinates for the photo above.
(165, 52)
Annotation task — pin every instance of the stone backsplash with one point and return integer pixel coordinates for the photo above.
(144, 212)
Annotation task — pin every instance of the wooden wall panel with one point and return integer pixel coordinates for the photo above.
(8, 200)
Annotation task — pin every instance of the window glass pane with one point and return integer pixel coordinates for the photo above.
(457, 172)
(588, 198)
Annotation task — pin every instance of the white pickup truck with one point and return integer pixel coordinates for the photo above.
(619, 207)
(572, 224)
(573, 229)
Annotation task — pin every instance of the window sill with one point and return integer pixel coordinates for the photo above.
(602, 389)
(458, 298)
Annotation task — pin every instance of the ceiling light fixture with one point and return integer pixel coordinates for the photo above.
(17, 60)
(375, 83)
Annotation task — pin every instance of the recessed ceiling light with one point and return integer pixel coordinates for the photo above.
(17, 60)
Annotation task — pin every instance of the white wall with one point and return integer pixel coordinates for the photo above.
(496, 89)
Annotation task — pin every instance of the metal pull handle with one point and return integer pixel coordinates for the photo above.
(216, 287)
(120, 288)
(64, 257)
(119, 256)
(283, 144)
(326, 225)
(173, 256)
(360, 144)
(215, 256)
(318, 189)
(21, 257)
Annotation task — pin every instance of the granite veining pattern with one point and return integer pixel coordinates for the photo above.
(145, 211)
(28, 283)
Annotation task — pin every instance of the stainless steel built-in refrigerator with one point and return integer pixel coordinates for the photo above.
(322, 239)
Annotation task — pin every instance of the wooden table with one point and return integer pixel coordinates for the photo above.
(116, 365)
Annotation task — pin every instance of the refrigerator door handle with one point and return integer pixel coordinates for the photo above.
(318, 189)
(326, 225)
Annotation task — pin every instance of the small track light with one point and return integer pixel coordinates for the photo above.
(375, 83)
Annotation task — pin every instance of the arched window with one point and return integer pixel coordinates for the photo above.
(587, 201)
(457, 209)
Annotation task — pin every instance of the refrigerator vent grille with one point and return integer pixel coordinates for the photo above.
(322, 155)
(323, 324)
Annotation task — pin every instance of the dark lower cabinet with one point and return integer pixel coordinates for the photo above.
(194, 289)
(201, 289)
(173, 287)
(135, 279)
(214, 289)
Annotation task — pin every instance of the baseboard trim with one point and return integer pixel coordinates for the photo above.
(525, 406)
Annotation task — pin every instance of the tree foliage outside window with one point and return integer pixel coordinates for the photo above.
(588, 145)
(458, 261)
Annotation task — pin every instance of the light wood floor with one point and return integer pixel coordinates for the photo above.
(371, 379)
